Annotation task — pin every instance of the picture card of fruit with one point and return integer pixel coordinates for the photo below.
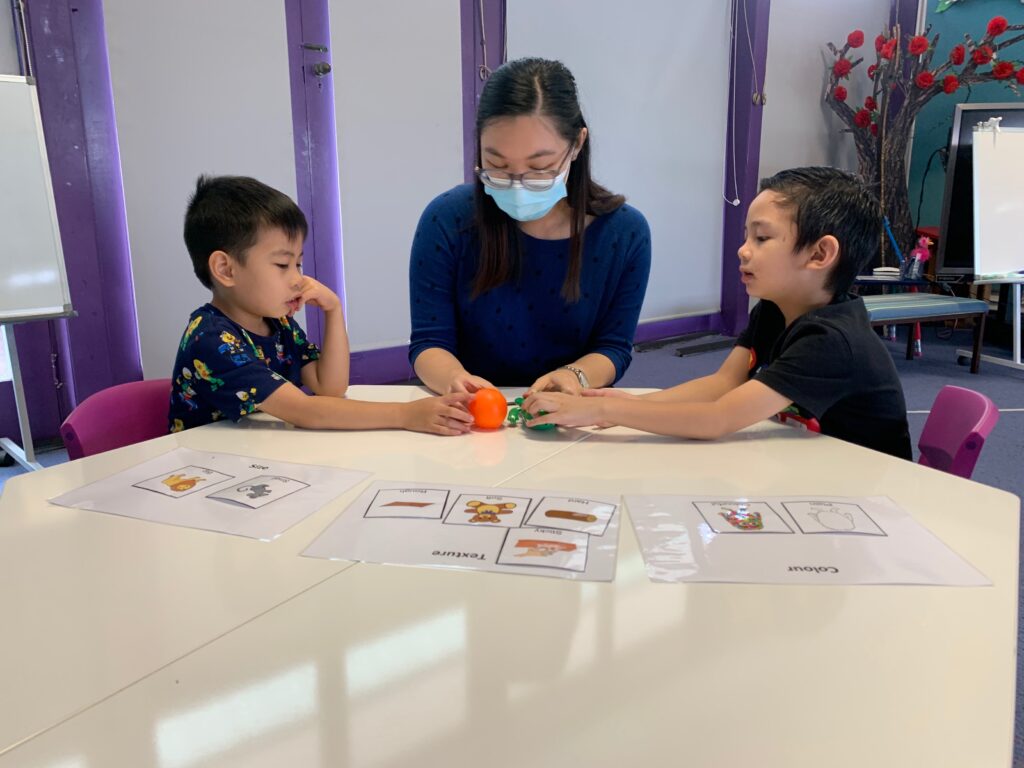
(241, 495)
(543, 533)
(792, 540)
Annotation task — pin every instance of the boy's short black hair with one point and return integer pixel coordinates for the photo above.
(828, 201)
(226, 213)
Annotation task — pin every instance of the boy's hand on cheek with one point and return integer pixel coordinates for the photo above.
(319, 295)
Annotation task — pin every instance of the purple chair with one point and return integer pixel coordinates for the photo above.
(956, 429)
(117, 416)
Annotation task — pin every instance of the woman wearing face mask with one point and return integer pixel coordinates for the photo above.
(534, 274)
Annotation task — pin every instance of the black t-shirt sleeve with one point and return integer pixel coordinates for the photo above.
(746, 337)
(813, 370)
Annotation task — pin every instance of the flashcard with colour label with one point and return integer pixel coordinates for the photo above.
(742, 517)
(833, 517)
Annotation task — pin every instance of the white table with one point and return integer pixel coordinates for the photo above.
(263, 658)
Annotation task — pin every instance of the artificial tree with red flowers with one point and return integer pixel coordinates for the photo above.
(903, 79)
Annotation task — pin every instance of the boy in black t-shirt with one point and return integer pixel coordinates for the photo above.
(808, 349)
(244, 351)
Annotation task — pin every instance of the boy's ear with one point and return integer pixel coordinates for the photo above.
(222, 268)
(824, 254)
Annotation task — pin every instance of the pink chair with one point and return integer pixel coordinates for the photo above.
(117, 416)
(956, 429)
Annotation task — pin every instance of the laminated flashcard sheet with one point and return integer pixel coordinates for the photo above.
(791, 540)
(241, 495)
(546, 533)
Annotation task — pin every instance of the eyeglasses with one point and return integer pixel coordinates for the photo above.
(535, 181)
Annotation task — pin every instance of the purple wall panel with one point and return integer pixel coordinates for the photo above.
(316, 147)
(743, 133)
(473, 60)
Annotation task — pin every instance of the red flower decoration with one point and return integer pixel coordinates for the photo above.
(856, 39)
(870, 103)
(917, 45)
(924, 80)
(1020, 75)
(888, 49)
(997, 26)
(879, 42)
(874, 129)
(957, 55)
(862, 119)
(1002, 70)
(982, 54)
(950, 83)
(871, 71)
(842, 67)
(839, 93)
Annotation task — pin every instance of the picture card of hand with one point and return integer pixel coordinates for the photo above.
(241, 495)
(791, 540)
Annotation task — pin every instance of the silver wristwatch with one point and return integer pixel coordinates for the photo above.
(584, 381)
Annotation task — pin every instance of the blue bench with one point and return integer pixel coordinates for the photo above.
(910, 308)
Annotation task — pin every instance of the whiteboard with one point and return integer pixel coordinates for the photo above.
(33, 284)
(998, 200)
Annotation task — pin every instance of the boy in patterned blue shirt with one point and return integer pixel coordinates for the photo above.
(244, 351)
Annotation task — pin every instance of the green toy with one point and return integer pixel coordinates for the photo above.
(516, 412)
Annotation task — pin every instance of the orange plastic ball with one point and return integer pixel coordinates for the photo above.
(488, 408)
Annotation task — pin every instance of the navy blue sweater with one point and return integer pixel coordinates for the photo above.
(522, 329)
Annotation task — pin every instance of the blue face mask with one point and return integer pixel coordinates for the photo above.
(526, 204)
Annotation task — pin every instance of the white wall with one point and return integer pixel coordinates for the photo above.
(8, 45)
(656, 105)
(398, 101)
(199, 87)
(798, 128)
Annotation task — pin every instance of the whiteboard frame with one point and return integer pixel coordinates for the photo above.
(65, 309)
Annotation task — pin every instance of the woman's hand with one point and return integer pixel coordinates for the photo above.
(560, 380)
(463, 381)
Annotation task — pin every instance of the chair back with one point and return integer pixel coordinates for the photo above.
(956, 429)
(117, 416)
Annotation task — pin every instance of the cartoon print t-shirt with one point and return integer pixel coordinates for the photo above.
(223, 371)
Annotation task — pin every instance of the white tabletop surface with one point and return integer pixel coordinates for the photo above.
(219, 652)
(98, 601)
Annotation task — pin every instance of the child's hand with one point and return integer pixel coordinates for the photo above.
(444, 415)
(317, 294)
(608, 392)
(565, 410)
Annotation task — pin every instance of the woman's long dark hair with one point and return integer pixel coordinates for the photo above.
(542, 87)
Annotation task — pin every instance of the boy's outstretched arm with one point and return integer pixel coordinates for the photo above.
(445, 415)
(327, 375)
(747, 404)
